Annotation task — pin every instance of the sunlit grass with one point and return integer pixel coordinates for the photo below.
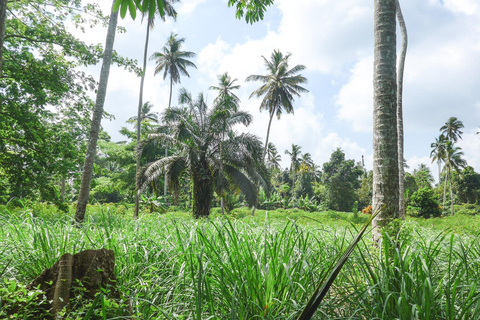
(262, 267)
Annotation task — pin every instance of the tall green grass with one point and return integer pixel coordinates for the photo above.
(171, 267)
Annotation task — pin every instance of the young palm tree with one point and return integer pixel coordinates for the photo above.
(295, 161)
(273, 158)
(438, 152)
(453, 160)
(451, 129)
(145, 114)
(173, 62)
(168, 10)
(225, 87)
(280, 85)
(196, 132)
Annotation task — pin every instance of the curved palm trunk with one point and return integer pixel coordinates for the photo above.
(385, 146)
(401, 67)
(97, 117)
(202, 190)
(451, 191)
(268, 134)
(3, 21)
(139, 122)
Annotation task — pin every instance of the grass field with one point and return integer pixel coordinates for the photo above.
(242, 267)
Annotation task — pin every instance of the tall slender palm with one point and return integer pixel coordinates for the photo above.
(168, 10)
(401, 68)
(385, 138)
(173, 62)
(195, 130)
(438, 153)
(96, 119)
(295, 161)
(451, 129)
(225, 87)
(280, 85)
(453, 161)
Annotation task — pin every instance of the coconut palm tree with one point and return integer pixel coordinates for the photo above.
(225, 87)
(168, 10)
(451, 129)
(295, 161)
(385, 142)
(453, 161)
(196, 131)
(280, 85)
(173, 62)
(146, 114)
(438, 152)
(273, 157)
(96, 119)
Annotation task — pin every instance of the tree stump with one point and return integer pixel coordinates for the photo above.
(93, 269)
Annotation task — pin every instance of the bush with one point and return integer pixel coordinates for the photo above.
(423, 204)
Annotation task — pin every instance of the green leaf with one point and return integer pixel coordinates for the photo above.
(133, 9)
(117, 4)
(123, 9)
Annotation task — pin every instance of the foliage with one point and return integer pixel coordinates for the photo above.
(365, 191)
(467, 185)
(209, 151)
(423, 204)
(341, 178)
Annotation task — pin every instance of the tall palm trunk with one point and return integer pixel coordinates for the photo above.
(385, 146)
(401, 67)
(439, 163)
(139, 122)
(268, 134)
(97, 117)
(202, 191)
(165, 184)
(451, 191)
(3, 24)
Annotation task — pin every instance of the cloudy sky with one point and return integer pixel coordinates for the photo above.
(334, 40)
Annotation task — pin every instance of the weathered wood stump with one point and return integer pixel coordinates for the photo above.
(94, 269)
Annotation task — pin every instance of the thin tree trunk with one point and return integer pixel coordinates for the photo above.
(166, 146)
(62, 188)
(385, 146)
(97, 118)
(451, 191)
(268, 134)
(439, 163)
(3, 26)
(139, 123)
(401, 68)
(444, 191)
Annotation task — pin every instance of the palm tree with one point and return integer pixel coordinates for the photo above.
(96, 119)
(225, 87)
(146, 114)
(451, 129)
(453, 160)
(401, 67)
(438, 152)
(273, 157)
(173, 62)
(168, 10)
(280, 85)
(295, 161)
(196, 131)
(385, 142)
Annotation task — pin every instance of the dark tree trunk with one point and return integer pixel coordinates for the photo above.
(385, 146)
(202, 190)
(97, 118)
(268, 134)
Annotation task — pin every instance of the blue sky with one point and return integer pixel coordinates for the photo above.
(334, 40)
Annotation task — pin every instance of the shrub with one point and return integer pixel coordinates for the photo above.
(423, 204)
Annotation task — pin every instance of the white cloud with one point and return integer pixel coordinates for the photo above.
(188, 6)
(356, 97)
